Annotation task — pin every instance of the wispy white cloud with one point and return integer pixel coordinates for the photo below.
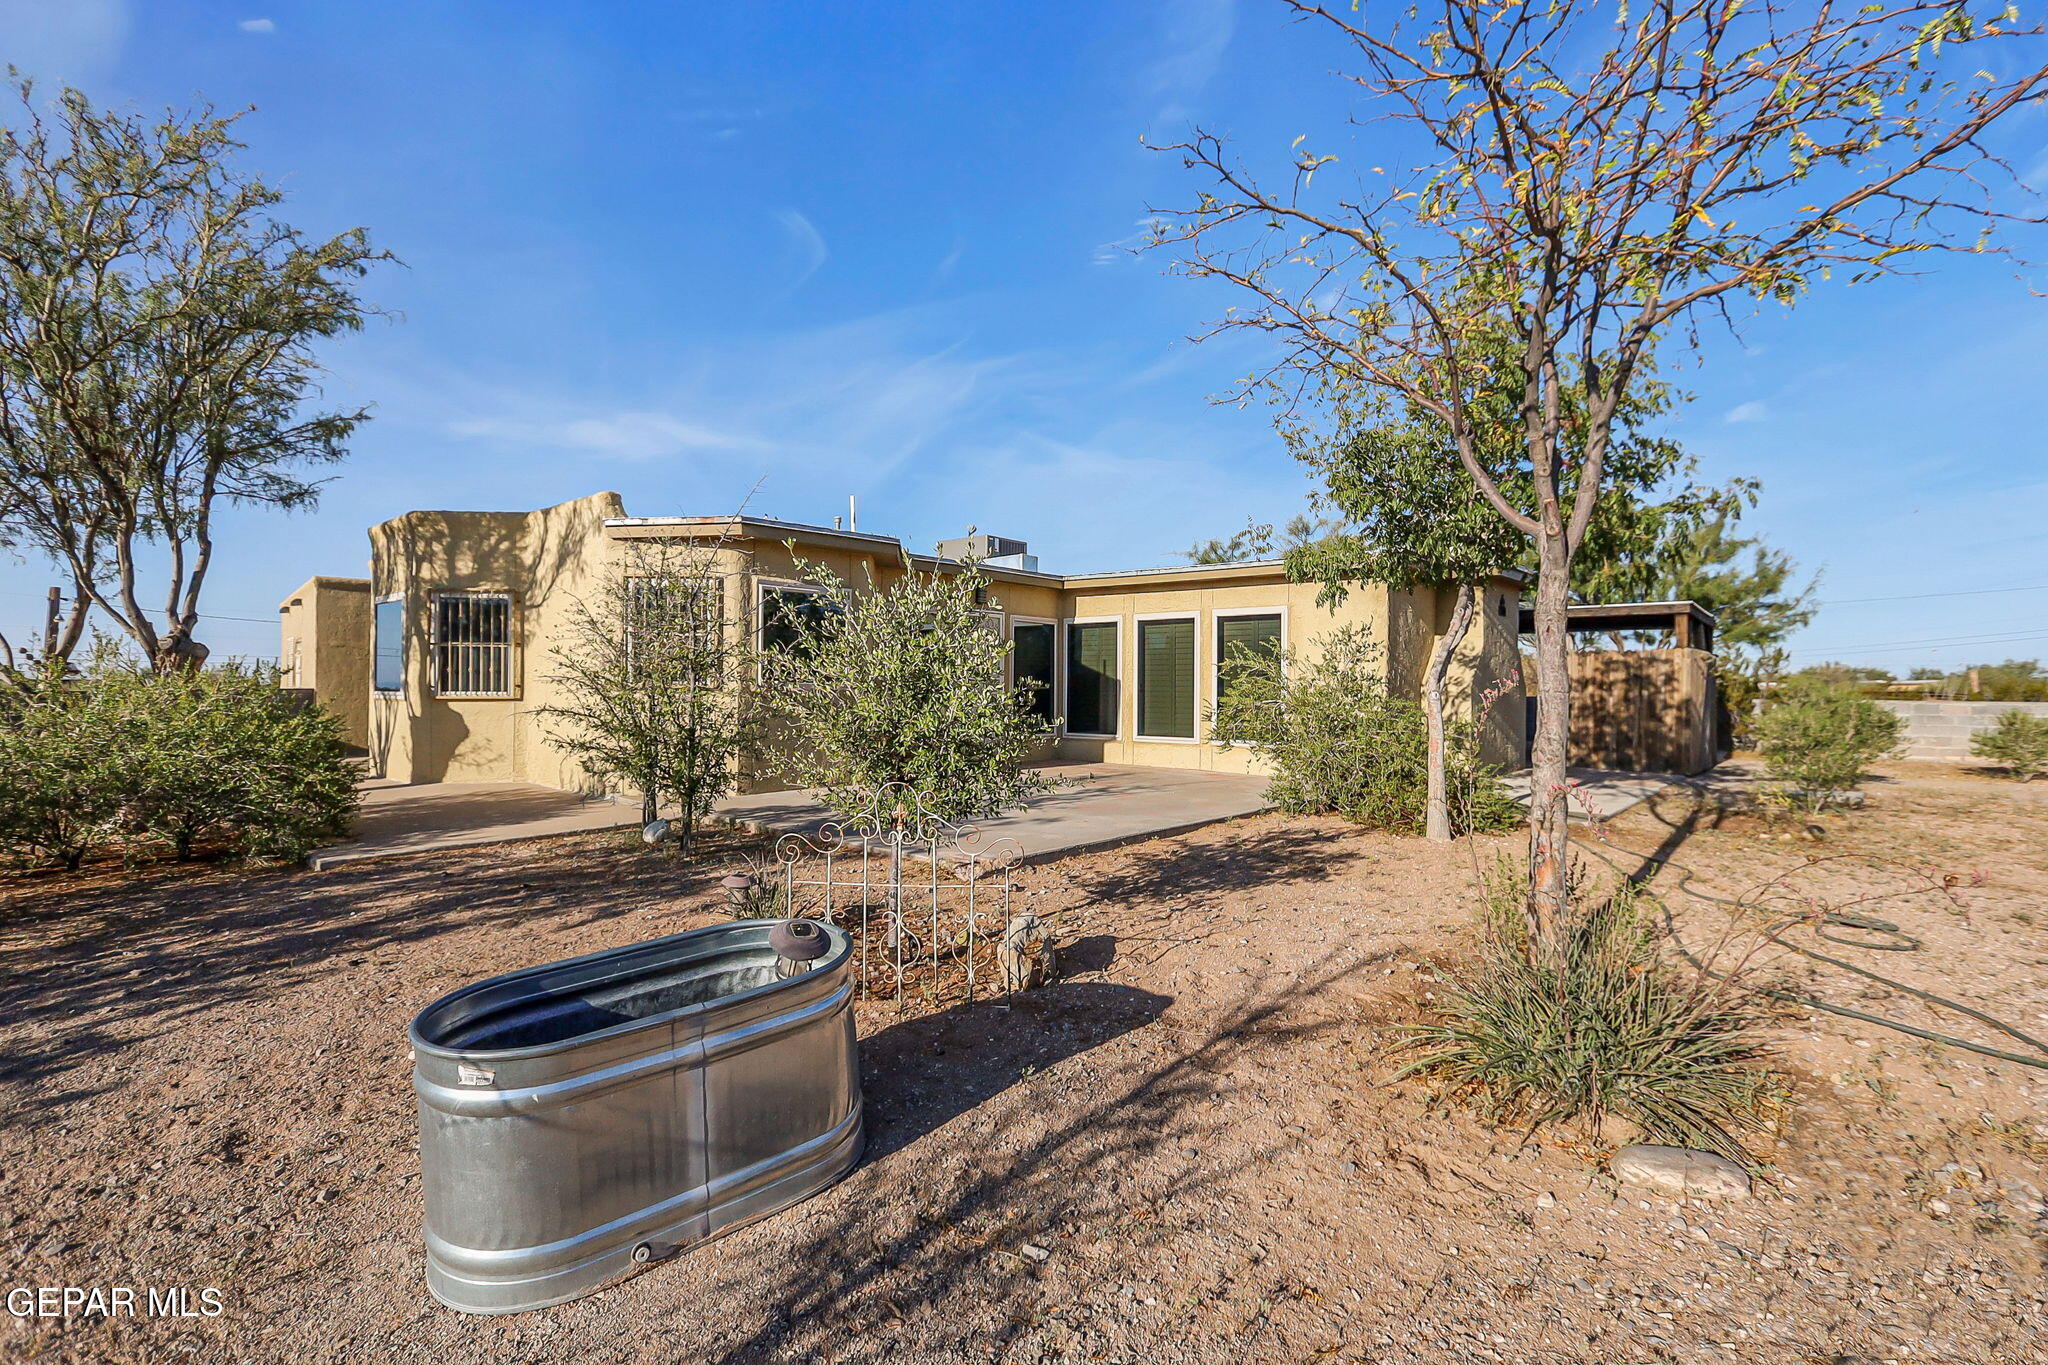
(258, 26)
(1195, 35)
(611, 436)
(807, 247)
(1747, 412)
(1109, 253)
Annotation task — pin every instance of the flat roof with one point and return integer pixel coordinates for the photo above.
(1623, 615)
(773, 528)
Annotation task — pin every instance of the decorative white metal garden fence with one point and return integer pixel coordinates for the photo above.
(925, 899)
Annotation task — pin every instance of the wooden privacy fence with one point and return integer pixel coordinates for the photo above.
(1647, 710)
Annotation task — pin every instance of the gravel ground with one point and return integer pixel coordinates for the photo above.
(1186, 1150)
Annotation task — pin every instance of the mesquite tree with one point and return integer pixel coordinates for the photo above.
(1593, 179)
(156, 352)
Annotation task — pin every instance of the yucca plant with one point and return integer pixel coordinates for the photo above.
(1601, 1025)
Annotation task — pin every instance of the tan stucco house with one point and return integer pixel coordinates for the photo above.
(440, 658)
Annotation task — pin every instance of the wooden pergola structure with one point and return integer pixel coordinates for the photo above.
(1643, 710)
(1691, 625)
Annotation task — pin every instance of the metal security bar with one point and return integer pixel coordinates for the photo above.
(473, 644)
(925, 901)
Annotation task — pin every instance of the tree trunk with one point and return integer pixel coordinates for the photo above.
(1549, 806)
(179, 654)
(1437, 804)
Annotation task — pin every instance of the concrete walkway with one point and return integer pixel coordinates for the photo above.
(398, 818)
(1098, 804)
(1602, 793)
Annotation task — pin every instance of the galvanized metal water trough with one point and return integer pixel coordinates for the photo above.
(583, 1116)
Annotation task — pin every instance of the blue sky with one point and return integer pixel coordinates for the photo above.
(873, 250)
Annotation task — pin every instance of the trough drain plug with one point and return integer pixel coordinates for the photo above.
(797, 944)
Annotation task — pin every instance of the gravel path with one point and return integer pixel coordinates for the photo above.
(1186, 1150)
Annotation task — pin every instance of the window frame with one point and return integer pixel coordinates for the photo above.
(705, 604)
(1216, 631)
(759, 628)
(510, 645)
(1065, 679)
(1058, 653)
(398, 690)
(1138, 622)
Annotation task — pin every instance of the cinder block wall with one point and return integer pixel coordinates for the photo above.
(1942, 729)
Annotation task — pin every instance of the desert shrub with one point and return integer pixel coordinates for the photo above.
(2018, 743)
(221, 758)
(120, 756)
(1818, 736)
(59, 795)
(1337, 743)
(1601, 1026)
(901, 684)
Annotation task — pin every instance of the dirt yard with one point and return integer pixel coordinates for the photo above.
(1186, 1150)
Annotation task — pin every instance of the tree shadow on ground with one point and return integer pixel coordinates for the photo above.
(1173, 869)
(95, 969)
(937, 1241)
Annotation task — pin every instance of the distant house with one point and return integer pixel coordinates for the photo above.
(451, 659)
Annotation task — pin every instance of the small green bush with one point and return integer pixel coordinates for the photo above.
(1602, 1026)
(2018, 743)
(1338, 744)
(1817, 737)
(902, 683)
(59, 796)
(118, 756)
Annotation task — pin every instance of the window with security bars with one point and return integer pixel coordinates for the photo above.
(671, 626)
(473, 644)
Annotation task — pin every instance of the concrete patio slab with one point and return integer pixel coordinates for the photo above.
(1602, 793)
(398, 818)
(1098, 805)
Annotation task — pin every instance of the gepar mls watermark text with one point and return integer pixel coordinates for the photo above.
(113, 1301)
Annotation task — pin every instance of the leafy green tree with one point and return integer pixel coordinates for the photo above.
(1593, 181)
(1389, 468)
(1698, 558)
(1256, 540)
(158, 328)
(902, 684)
(651, 670)
(1337, 743)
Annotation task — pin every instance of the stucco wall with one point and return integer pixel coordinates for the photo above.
(1942, 729)
(546, 560)
(324, 648)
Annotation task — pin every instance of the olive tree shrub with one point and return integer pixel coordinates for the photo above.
(903, 683)
(1817, 737)
(2018, 743)
(1338, 743)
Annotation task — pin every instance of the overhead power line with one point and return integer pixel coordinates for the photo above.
(1920, 596)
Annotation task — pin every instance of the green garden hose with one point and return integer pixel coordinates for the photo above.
(1899, 941)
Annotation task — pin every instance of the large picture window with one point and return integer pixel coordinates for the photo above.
(1093, 695)
(1031, 664)
(1166, 679)
(473, 644)
(387, 646)
(1244, 643)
